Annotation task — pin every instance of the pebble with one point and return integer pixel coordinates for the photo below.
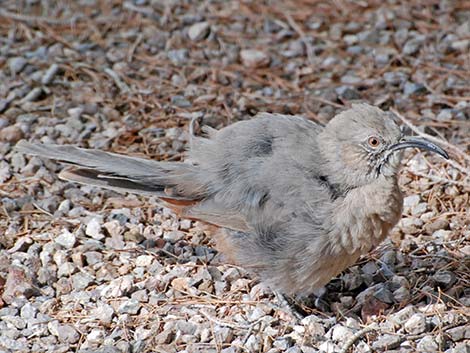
(282, 343)
(462, 45)
(93, 229)
(15, 321)
(411, 225)
(134, 235)
(64, 206)
(81, 281)
(382, 59)
(465, 250)
(437, 225)
(363, 347)
(444, 115)
(93, 257)
(185, 224)
(66, 239)
(413, 88)
(11, 134)
(459, 333)
(50, 74)
(395, 77)
(16, 65)
(130, 306)
(223, 334)
(65, 333)
(180, 101)
(104, 313)
(174, 236)
(313, 325)
(352, 281)
(3, 122)
(254, 58)
(403, 315)
(65, 269)
(419, 209)
(74, 115)
(444, 279)
(341, 333)
(14, 345)
(442, 234)
(18, 283)
(412, 46)
(427, 344)
(28, 311)
(32, 95)
(386, 342)
(198, 31)
(325, 347)
(5, 174)
(350, 79)
(401, 295)
(253, 343)
(141, 296)
(95, 336)
(144, 260)
(348, 93)
(178, 56)
(384, 295)
(256, 314)
(460, 348)
(416, 324)
(370, 268)
(113, 228)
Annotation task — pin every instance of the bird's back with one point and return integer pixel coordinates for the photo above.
(262, 166)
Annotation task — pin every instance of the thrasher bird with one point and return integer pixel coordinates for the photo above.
(297, 202)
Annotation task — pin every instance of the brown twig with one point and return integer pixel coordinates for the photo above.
(40, 19)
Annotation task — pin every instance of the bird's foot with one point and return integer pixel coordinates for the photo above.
(288, 304)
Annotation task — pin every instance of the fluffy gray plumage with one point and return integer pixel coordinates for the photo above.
(298, 202)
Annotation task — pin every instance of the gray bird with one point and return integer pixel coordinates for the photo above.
(298, 202)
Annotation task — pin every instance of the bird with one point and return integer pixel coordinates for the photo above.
(297, 202)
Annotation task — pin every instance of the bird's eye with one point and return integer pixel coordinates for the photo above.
(373, 142)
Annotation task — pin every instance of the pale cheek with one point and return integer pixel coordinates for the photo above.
(352, 158)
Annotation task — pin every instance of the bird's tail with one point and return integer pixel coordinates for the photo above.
(172, 180)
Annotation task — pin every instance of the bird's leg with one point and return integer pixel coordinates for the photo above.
(288, 304)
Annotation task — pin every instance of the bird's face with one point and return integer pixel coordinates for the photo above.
(365, 143)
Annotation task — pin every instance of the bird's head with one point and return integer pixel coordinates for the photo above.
(364, 143)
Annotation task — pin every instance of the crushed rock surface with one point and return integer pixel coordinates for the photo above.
(87, 270)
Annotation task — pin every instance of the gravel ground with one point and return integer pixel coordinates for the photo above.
(87, 270)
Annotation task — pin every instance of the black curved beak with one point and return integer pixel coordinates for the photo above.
(408, 142)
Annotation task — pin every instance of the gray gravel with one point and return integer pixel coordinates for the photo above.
(87, 270)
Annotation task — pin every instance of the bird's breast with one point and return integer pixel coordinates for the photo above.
(365, 216)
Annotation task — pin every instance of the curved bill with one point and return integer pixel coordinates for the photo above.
(408, 142)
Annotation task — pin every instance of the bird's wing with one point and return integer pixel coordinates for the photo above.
(256, 169)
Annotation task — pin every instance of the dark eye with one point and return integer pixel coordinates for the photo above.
(374, 142)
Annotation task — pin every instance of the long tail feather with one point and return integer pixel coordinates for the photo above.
(121, 173)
